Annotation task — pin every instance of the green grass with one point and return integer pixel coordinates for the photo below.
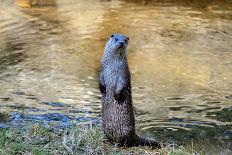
(38, 140)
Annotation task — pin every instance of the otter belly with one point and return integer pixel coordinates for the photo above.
(118, 121)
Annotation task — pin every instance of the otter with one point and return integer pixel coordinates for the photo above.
(118, 120)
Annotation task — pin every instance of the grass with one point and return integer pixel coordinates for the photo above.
(87, 139)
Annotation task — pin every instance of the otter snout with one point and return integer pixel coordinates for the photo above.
(122, 43)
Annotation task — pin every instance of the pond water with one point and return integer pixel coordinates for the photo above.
(180, 59)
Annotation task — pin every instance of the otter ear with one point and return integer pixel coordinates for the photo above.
(127, 40)
(111, 36)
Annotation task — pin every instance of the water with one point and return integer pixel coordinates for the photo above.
(180, 58)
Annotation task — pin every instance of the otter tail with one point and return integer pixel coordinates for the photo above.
(144, 141)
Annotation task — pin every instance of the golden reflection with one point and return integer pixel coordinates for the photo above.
(35, 3)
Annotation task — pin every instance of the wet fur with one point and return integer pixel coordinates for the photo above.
(118, 121)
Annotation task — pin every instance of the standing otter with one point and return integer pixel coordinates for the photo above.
(118, 121)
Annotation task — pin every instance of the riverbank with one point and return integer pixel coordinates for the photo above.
(86, 139)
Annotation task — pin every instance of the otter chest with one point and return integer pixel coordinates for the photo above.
(112, 74)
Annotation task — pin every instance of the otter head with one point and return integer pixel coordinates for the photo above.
(117, 45)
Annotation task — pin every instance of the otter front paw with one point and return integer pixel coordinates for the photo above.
(102, 89)
(119, 97)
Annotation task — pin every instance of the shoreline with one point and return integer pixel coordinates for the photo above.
(84, 139)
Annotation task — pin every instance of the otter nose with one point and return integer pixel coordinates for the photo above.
(121, 43)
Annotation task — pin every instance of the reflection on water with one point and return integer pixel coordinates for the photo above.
(179, 54)
(35, 3)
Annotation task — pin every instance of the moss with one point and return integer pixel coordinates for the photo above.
(38, 140)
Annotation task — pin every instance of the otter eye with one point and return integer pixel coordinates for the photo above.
(112, 36)
(116, 39)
